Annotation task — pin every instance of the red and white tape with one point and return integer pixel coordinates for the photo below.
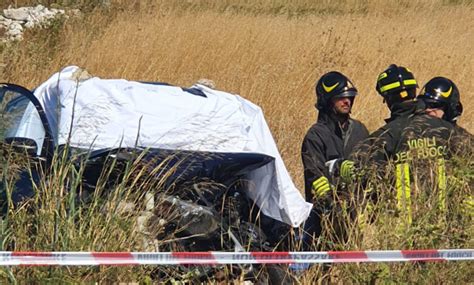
(212, 258)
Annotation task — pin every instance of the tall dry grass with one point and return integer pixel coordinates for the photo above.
(273, 60)
(270, 52)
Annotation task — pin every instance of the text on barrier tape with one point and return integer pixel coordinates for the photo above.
(8, 258)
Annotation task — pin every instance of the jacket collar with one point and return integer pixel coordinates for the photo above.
(405, 109)
(331, 122)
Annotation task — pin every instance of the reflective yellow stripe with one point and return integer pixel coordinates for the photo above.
(403, 190)
(406, 169)
(397, 84)
(389, 86)
(321, 186)
(321, 181)
(323, 190)
(398, 185)
(442, 184)
(409, 82)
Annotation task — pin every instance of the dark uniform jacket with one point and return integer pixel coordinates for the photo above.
(326, 141)
(409, 134)
(411, 139)
(463, 142)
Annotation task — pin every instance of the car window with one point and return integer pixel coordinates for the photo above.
(20, 118)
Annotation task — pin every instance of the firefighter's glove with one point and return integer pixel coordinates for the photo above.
(468, 206)
(347, 170)
(321, 187)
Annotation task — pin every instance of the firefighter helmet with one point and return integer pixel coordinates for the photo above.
(442, 93)
(396, 84)
(333, 85)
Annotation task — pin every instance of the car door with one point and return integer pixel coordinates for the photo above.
(23, 129)
(23, 123)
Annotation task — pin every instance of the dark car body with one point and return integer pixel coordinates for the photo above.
(223, 168)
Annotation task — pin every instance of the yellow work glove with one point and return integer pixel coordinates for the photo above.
(321, 187)
(347, 170)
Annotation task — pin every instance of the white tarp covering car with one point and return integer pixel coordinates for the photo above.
(100, 113)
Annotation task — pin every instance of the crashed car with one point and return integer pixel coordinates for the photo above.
(202, 134)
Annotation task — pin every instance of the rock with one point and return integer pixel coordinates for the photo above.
(15, 28)
(81, 75)
(20, 14)
(30, 24)
(13, 21)
(5, 22)
(207, 82)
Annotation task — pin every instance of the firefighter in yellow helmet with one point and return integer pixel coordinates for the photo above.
(409, 136)
(442, 100)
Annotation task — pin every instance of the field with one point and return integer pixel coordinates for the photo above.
(268, 51)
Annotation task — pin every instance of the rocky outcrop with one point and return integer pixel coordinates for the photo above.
(13, 22)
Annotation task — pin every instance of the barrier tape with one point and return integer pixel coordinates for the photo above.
(214, 258)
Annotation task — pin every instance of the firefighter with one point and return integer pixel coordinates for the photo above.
(332, 137)
(409, 136)
(442, 99)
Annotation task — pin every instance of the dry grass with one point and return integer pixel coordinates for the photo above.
(272, 60)
(268, 51)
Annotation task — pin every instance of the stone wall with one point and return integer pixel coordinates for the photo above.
(13, 22)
